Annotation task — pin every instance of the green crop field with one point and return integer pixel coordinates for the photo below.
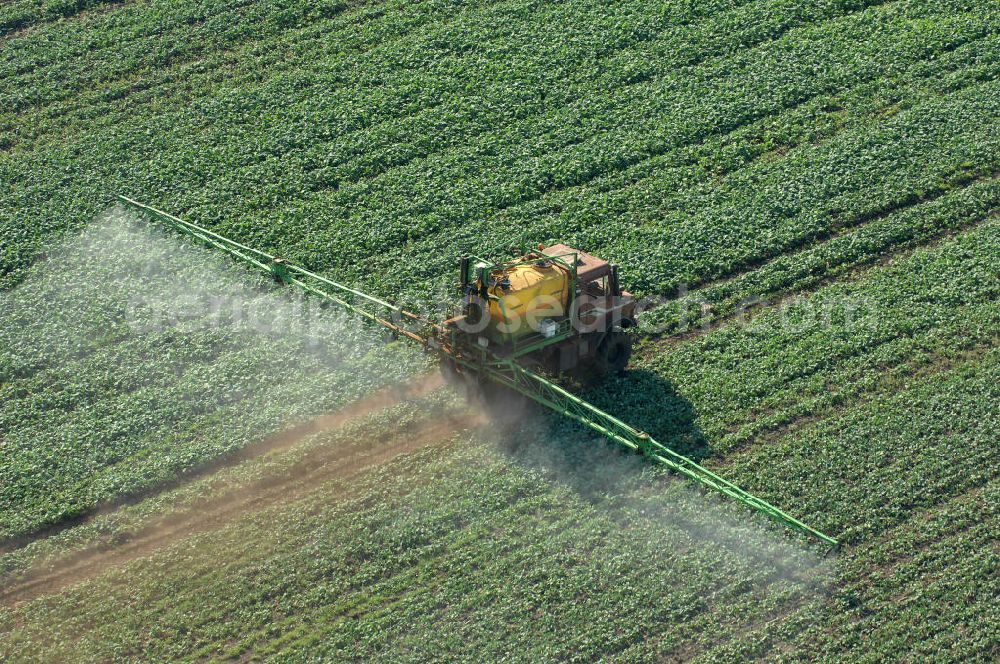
(196, 464)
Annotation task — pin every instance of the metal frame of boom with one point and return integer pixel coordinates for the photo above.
(505, 371)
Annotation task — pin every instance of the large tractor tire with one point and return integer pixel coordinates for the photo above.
(449, 371)
(614, 352)
(502, 404)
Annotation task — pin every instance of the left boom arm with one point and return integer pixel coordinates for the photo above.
(504, 371)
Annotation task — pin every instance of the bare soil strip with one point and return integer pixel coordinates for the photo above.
(281, 485)
(276, 443)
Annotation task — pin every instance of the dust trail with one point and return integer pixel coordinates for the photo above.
(278, 485)
(636, 494)
(277, 443)
(130, 359)
(382, 399)
(120, 318)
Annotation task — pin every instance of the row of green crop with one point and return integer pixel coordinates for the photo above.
(424, 234)
(440, 536)
(327, 452)
(26, 410)
(380, 42)
(594, 208)
(561, 94)
(108, 157)
(82, 75)
(61, 54)
(781, 175)
(351, 92)
(430, 559)
(438, 549)
(20, 14)
(227, 167)
(673, 229)
(139, 40)
(814, 354)
(932, 604)
(795, 272)
(483, 189)
(319, 130)
(130, 358)
(490, 182)
(379, 46)
(938, 596)
(869, 469)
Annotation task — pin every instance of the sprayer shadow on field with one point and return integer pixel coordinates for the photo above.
(584, 459)
(632, 492)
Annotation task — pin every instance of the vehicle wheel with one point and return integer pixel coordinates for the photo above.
(449, 371)
(503, 405)
(464, 382)
(614, 352)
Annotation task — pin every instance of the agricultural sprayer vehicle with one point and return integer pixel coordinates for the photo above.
(519, 324)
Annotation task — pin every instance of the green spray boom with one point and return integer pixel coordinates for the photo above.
(498, 369)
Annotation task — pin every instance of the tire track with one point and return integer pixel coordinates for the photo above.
(280, 485)
(273, 444)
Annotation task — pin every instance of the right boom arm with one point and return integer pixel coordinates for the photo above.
(504, 371)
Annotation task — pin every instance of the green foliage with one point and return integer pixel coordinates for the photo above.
(132, 358)
(313, 158)
(838, 157)
(21, 14)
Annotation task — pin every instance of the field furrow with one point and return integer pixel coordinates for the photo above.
(260, 171)
(819, 351)
(198, 465)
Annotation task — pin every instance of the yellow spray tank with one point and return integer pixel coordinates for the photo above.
(523, 296)
(560, 306)
(602, 348)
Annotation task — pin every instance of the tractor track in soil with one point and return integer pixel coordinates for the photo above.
(275, 443)
(275, 487)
